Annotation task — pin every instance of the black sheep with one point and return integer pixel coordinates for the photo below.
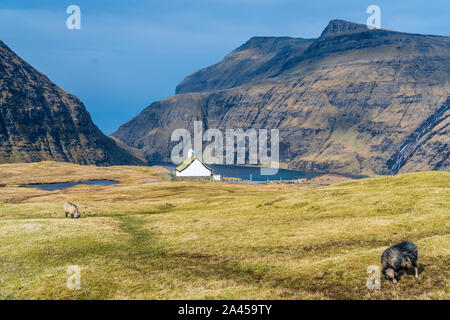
(397, 259)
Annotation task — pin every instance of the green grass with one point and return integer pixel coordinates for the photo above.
(208, 240)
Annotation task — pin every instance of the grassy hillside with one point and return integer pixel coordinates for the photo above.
(143, 239)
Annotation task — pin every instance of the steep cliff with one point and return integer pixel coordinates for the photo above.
(39, 121)
(350, 101)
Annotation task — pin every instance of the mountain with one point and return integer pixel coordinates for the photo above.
(257, 59)
(40, 121)
(353, 100)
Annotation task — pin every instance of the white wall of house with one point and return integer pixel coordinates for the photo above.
(195, 169)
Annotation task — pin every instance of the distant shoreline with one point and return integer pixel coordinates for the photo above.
(284, 174)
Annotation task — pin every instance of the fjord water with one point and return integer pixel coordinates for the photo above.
(65, 185)
(247, 173)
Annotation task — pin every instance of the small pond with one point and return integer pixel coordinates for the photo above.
(65, 185)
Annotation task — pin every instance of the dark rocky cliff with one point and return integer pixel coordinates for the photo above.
(40, 121)
(352, 100)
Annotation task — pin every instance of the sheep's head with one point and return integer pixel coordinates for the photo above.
(391, 275)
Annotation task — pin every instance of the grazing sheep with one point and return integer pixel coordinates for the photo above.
(72, 210)
(397, 259)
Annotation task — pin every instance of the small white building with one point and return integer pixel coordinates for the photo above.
(193, 167)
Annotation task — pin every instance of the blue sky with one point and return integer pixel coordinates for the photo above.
(130, 53)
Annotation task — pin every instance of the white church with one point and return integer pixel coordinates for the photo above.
(194, 168)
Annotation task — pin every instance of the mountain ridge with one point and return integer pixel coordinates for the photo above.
(40, 121)
(240, 66)
(346, 101)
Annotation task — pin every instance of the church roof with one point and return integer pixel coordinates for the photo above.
(187, 162)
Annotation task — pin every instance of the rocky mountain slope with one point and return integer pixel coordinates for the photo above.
(257, 59)
(39, 121)
(354, 100)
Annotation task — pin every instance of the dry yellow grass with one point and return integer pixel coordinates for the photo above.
(210, 240)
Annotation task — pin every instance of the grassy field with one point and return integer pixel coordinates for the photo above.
(151, 239)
